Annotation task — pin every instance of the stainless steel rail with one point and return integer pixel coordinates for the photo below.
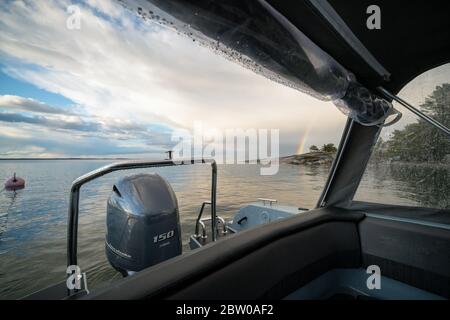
(224, 224)
(270, 201)
(199, 221)
(72, 224)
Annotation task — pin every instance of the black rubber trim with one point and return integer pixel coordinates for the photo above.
(434, 215)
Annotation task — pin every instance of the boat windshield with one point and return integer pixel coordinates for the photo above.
(413, 156)
(124, 91)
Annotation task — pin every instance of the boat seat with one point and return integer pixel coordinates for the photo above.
(270, 261)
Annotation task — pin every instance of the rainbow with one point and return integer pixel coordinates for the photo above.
(304, 139)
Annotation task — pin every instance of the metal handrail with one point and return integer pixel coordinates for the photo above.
(199, 219)
(72, 224)
(270, 201)
(203, 236)
(201, 223)
(224, 224)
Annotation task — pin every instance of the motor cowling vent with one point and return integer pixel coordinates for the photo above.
(143, 226)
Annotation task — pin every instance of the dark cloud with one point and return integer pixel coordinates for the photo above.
(16, 103)
(40, 114)
(55, 146)
(113, 130)
(77, 125)
(105, 133)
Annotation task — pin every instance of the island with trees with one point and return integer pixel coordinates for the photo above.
(323, 156)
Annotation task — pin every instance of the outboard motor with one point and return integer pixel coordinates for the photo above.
(143, 226)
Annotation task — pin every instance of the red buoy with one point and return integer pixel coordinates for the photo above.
(14, 183)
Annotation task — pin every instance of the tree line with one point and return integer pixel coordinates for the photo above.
(420, 141)
(329, 147)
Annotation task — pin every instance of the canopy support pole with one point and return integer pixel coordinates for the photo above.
(414, 110)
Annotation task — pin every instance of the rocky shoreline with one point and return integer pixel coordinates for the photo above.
(310, 158)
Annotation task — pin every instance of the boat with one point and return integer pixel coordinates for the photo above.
(269, 250)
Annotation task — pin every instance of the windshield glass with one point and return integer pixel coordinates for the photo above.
(83, 86)
(412, 157)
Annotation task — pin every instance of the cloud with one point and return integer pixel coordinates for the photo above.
(51, 148)
(17, 109)
(42, 117)
(77, 124)
(36, 141)
(128, 75)
(16, 103)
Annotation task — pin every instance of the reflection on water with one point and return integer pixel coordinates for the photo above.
(33, 222)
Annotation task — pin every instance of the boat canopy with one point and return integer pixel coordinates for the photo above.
(309, 46)
(414, 37)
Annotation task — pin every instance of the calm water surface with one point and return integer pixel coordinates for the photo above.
(33, 221)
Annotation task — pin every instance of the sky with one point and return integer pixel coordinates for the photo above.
(120, 87)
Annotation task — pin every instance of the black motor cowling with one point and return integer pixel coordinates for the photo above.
(143, 226)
